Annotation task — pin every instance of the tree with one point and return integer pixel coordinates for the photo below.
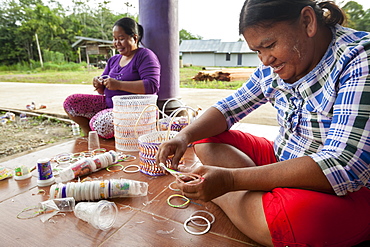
(185, 35)
(357, 18)
(128, 5)
(20, 21)
(9, 38)
(364, 22)
(56, 27)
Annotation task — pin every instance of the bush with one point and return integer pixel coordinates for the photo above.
(48, 66)
(63, 67)
(53, 57)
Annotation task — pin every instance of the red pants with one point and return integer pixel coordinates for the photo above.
(297, 217)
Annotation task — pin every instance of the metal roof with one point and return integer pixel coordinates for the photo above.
(214, 46)
(82, 39)
(198, 45)
(234, 47)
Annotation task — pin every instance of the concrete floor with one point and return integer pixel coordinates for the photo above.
(16, 95)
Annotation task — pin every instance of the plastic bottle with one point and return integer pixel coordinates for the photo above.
(75, 129)
(45, 172)
(88, 165)
(23, 118)
(99, 189)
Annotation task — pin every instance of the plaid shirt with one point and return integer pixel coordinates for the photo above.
(324, 115)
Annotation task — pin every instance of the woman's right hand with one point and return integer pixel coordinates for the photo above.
(216, 181)
(175, 147)
(98, 84)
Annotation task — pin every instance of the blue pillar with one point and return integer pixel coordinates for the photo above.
(159, 19)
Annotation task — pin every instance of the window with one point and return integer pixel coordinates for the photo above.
(228, 56)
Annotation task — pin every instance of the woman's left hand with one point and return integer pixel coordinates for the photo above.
(111, 84)
(217, 181)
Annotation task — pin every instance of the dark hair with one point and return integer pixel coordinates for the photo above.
(131, 27)
(267, 12)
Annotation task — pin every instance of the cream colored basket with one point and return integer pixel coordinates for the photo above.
(126, 111)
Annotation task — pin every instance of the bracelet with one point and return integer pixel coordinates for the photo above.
(98, 151)
(187, 200)
(33, 215)
(193, 218)
(126, 157)
(202, 211)
(115, 170)
(189, 177)
(171, 188)
(63, 158)
(87, 154)
(125, 169)
(77, 155)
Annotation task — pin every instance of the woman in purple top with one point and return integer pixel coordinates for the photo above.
(133, 71)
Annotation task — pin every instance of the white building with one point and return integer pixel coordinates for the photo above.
(216, 53)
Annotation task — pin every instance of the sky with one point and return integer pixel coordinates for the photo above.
(210, 19)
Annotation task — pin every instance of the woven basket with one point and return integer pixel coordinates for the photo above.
(126, 110)
(148, 148)
(178, 123)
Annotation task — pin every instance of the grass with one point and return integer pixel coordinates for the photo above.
(68, 77)
(85, 76)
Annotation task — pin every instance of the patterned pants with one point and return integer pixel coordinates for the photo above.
(92, 107)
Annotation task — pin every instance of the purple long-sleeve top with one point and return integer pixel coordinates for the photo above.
(143, 66)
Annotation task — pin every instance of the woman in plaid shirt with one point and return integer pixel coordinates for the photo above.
(311, 186)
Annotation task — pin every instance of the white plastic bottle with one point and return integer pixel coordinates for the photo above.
(75, 129)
